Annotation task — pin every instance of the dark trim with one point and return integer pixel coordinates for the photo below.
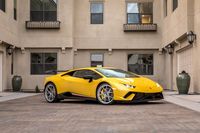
(128, 94)
(68, 95)
(144, 97)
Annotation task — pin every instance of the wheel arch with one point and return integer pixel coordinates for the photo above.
(49, 83)
(103, 82)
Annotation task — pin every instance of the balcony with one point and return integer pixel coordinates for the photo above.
(42, 24)
(140, 27)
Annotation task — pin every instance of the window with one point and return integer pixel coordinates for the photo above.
(140, 13)
(15, 9)
(3, 5)
(82, 73)
(175, 4)
(141, 64)
(116, 73)
(165, 7)
(43, 62)
(96, 10)
(96, 60)
(43, 10)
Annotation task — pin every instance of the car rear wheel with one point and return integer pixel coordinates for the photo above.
(105, 94)
(50, 93)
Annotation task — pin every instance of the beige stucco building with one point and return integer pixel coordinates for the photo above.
(133, 35)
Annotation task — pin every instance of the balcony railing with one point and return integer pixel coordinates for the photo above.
(43, 24)
(140, 27)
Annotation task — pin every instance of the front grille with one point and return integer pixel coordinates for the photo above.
(139, 97)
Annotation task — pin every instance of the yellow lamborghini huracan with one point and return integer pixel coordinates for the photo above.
(105, 85)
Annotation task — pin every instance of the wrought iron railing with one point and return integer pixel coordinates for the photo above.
(43, 24)
(139, 27)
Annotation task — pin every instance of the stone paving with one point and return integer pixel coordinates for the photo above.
(190, 101)
(34, 115)
(5, 96)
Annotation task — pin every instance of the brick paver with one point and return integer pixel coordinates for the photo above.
(34, 115)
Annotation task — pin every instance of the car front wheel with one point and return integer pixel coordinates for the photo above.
(105, 94)
(50, 93)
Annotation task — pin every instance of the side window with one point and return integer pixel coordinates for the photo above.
(82, 73)
(79, 74)
(93, 74)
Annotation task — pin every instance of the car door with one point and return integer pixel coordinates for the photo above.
(84, 86)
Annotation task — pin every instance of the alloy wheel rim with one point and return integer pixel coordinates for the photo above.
(50, 92)
(105, 94)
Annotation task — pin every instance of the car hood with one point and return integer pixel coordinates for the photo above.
(141, 84)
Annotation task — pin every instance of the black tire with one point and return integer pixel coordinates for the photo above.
(50, 93)
(108, 97)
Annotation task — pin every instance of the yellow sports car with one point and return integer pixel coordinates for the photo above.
(105, 85)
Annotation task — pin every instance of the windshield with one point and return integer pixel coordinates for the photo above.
(116, 73)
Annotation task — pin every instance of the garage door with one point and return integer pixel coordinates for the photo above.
(185, 63)
(1, 72)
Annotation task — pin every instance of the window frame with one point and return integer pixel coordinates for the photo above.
(153, 64)
(3, 9)
(91, 14)
(43, 13)
(97, 61)
(43, 63)
(139, 14)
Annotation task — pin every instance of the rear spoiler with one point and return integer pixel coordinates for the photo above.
(52, 72)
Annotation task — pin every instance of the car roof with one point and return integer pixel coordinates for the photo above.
(84, 68)
(91, 68)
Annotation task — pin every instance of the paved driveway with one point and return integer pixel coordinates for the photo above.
(34, 115)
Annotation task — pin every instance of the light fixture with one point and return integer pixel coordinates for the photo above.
(170, 49)
(10, 50)
(191, 37)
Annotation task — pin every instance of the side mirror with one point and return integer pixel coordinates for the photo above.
(88, 77)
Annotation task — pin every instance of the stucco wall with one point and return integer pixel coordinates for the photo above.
(111, 34)
(196, 46)
(177, 22)
(8, 26)
(22, 66)
(62, 37)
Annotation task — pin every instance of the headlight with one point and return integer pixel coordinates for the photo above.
(129, 86)
(157, 85)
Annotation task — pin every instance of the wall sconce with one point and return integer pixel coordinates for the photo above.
(170, 49)
(10, 50)
(191, 37)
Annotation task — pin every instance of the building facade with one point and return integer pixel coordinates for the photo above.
(37, 36)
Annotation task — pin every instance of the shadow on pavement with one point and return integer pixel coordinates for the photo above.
(92, 102)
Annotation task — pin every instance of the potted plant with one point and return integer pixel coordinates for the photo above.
(183, 82)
